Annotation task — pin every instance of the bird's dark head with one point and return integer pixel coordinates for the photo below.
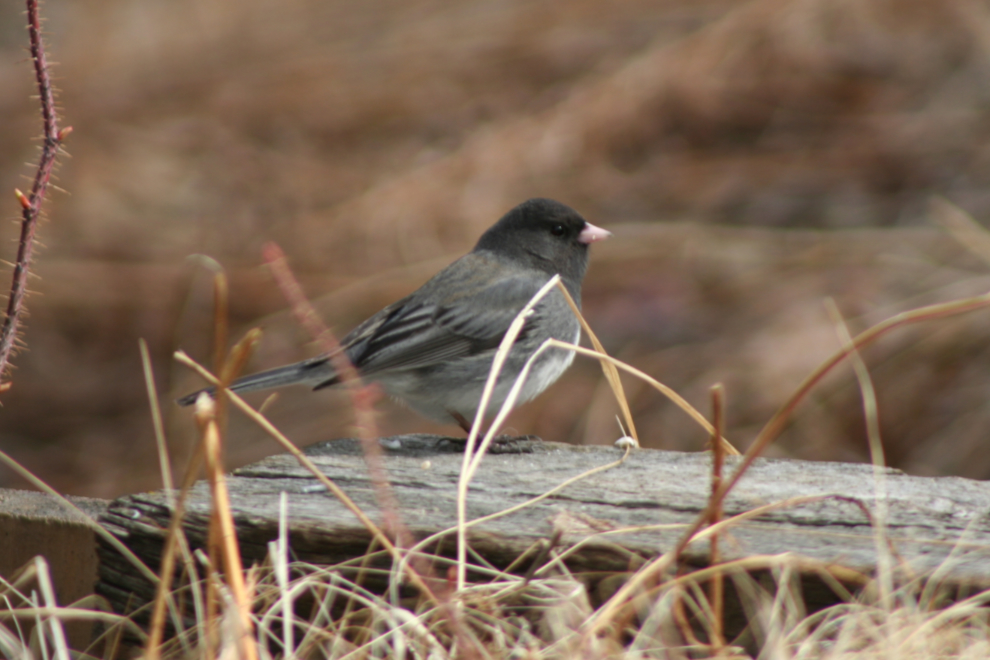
(545, 234)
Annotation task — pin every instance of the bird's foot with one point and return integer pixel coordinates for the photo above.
(514, 444)
(502, 444)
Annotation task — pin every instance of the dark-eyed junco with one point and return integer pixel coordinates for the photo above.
(434, 348)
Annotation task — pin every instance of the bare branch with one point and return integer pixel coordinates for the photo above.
(31, 204)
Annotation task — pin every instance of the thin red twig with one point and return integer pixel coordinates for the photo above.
(361, 398)
(31, 204)
(775, 426)
(718, 461)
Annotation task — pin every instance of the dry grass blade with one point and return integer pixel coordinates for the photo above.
(173, 539)
(777, 422)
(279, 551)
(48, 593)
(609, 369)
(304, 460)
(227, 368)
(929, 313)
(110, 539)
(717, 596)
(362, 397)
(605, 616)
(624, 597)
(221, 300)
(872, 416)
(752, 563)
(361, 394)
(971, 235)
(663, 389)
(156, 418)
(19, 604)
(433, 538)
(73, 613)
(227, 537)
(471, 461)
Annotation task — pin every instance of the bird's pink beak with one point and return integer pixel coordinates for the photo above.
(592, 234)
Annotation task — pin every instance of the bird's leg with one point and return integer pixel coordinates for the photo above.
(459, 418)
(502, 444)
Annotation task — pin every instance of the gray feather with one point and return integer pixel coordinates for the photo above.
(311, 372)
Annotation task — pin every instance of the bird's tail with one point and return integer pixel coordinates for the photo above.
(309, 372)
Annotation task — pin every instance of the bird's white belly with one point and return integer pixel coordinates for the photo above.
(416, 391)
(542, 375)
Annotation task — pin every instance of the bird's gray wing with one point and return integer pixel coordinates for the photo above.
(419, 331)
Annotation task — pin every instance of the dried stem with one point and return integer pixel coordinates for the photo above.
(768, 434)
(717, 595)
(305, 461)
(31, 204)
(226, 554)
(361, 398)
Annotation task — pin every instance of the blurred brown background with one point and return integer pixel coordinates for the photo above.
(752, 158)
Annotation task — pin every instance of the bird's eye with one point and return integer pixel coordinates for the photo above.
(558, 230)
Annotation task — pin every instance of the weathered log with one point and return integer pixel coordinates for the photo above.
(33, 523)
(930, 522)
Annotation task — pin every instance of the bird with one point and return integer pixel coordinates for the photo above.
(433, 349)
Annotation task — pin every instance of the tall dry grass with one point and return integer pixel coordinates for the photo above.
(294, 610)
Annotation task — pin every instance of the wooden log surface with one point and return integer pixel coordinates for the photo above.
(931, 522)
(33, 524)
